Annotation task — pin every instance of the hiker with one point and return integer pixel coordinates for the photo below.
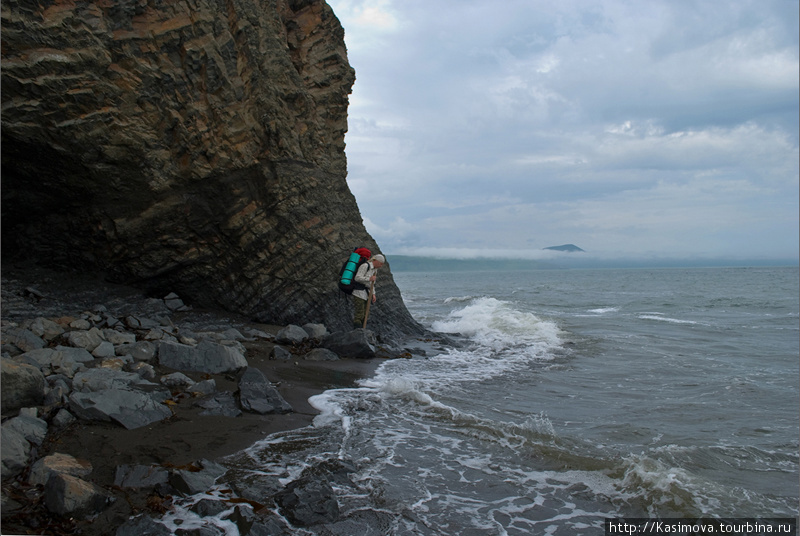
(366, 276)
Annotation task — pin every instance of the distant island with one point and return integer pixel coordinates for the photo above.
(571, 248)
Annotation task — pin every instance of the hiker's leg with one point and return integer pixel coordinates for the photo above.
(360, 312)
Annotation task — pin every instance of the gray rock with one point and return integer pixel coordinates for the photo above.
(143, 526)
(358, 343)
(78, 355)
(100, 379)
(140, 476)
(71, 496)
(86, 339)
(173, 302)
(103, 350)
(144, 370)
(279, 352)
(233, 334)
(41, 358)
(65, 365)
(210, 507)
(58, 463)
(309, 501)
(207, 357)
(55, 396)
(32, 429)
(258, 395)
(14, 451)
(321, 354)
(198, 479)
(119, 337)
(46, 329)
(140, 323)
(177, 379)
(29, 412)
(291, 334)
(81, 324)
(316, 331)
(205, 387)
(140, 351)
(24, 339)
(219, 404)
(63, 419)
(243, 517)
(131, 409)
(21, 385)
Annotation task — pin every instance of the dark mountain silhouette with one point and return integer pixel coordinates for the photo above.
(571, 248)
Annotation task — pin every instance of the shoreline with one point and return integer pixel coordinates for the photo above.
(178, 441)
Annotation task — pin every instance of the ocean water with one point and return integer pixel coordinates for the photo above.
(574, 396)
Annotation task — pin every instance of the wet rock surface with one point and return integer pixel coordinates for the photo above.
(90, 442)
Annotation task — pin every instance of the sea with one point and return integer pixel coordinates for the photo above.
(570, 397)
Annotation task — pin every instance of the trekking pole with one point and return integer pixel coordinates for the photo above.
(369, 302)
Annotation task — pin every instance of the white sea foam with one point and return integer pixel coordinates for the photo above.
(497, 324)
(665, 319)
(604, 310)
(458, 299)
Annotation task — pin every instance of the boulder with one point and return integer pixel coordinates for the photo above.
(21, 385)
(211, 507)
(205, 387)
(144, 370)
(143, 526)
(219, 404)
(173, 302)
(140, 351)
(24, 339)
(321, 354)
(176, 379)
(58, 463)
(86, 339)
(131, 409)
(309, 501)
(41, 358)
(70, 496)
(291, 334)
(63, 419)
(101, 378)
(207, 357)
(119, 337)
(14, 451)
(258, 395)
(140, 476)
(279, 352)
(78, 355)
(358, 343)
(46, 329)
(32, 429)
(316, 331)
(197, 479)
(103, 350)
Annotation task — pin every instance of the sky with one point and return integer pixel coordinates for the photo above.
(632, 129)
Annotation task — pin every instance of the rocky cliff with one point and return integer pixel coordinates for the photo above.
(194, 146)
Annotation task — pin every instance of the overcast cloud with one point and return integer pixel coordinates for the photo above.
(658, 128)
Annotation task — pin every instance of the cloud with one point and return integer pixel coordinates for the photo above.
(618, 126)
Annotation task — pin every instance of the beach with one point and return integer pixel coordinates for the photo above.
(185, 438)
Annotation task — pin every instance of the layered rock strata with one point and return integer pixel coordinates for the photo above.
(187, 145)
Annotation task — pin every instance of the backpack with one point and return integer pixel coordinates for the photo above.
(347, 273)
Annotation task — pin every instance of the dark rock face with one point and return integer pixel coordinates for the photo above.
(195, 147)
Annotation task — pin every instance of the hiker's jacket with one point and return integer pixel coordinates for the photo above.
(365, 271)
